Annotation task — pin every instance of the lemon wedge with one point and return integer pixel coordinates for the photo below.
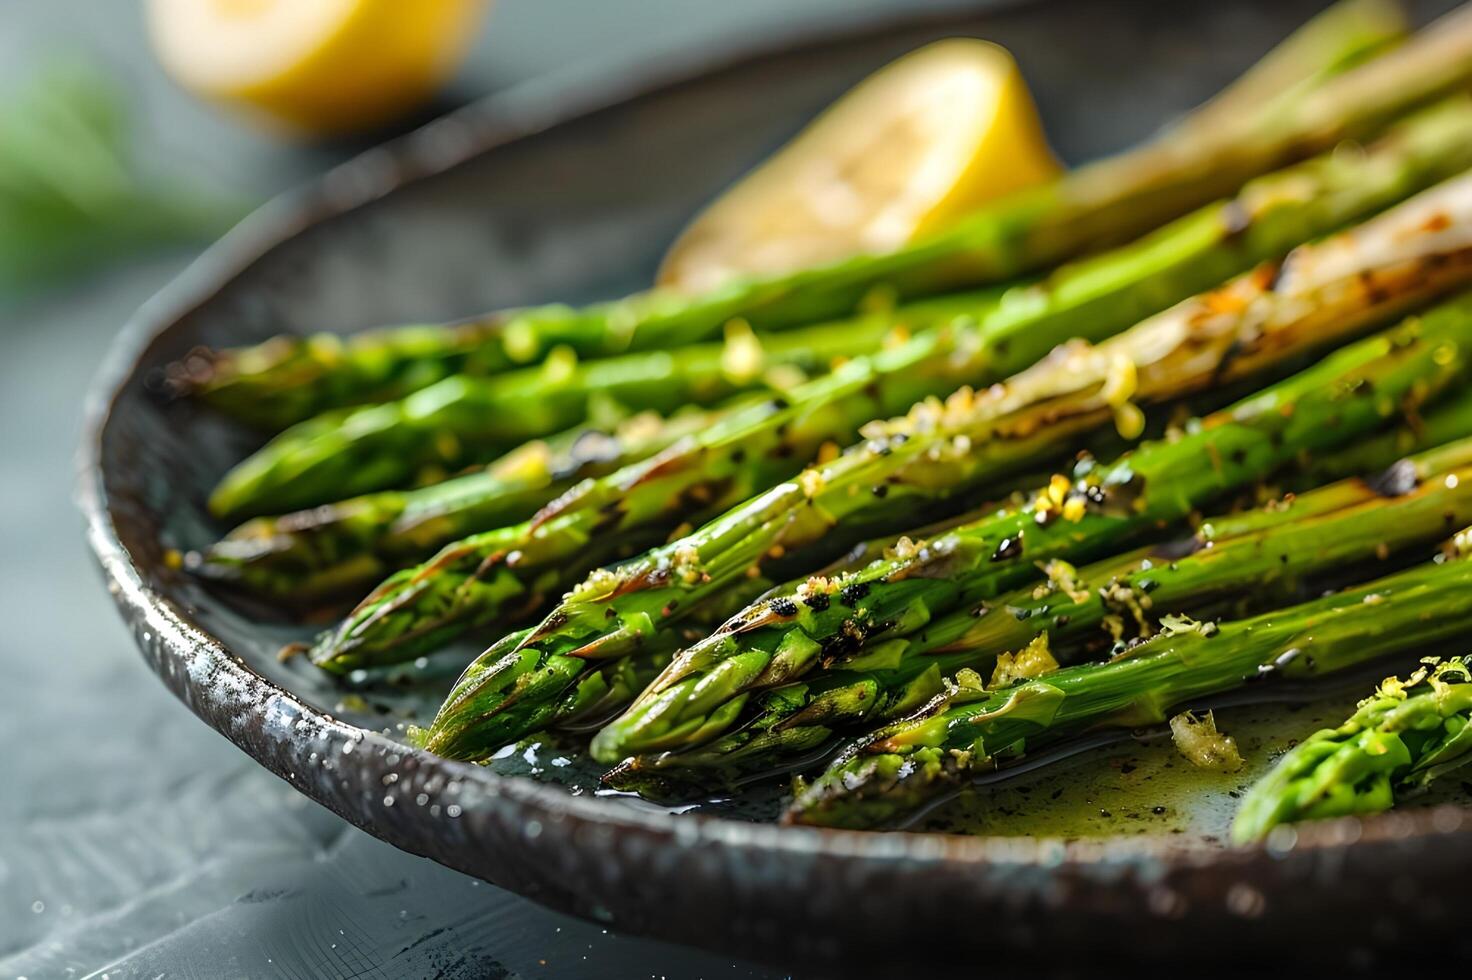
(319, 66)
(914, 146)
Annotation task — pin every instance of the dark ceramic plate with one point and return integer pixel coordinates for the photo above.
(512, 203)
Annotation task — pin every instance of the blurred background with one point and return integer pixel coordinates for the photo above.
(134, 841)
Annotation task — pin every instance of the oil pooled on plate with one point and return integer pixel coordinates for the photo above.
(1147, 787)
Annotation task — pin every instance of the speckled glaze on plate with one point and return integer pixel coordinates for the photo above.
(529, 199)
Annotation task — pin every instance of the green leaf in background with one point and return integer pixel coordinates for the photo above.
(71, 197)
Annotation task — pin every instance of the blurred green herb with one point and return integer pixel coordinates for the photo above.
(71, 195)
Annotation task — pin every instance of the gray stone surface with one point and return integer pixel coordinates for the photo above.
(133, 840)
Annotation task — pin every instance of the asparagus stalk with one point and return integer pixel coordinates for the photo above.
(1094, 207)
(1346, 34)
(1403, 736)
(557, 694)
(1263, 553)
(579, 700)
(310, 555)
(1103, 507)
(1451, 420)
(895, 771)
(460, 418)
(1021, 425)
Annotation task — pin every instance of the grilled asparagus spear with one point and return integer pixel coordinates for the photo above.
(323, 552)
(578, 700)
(1019, 425)
(461, 418)
(1108, 202)
(1403, 736)
(560, 694)
(892, 773)
(1264, 551)
(1261, 553)
(1101, 508)
(1451, 420)
(1346, 34)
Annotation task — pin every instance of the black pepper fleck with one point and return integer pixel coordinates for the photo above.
(1009, 548)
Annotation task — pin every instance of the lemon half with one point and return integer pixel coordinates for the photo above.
(914, 146)
(320, 66)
